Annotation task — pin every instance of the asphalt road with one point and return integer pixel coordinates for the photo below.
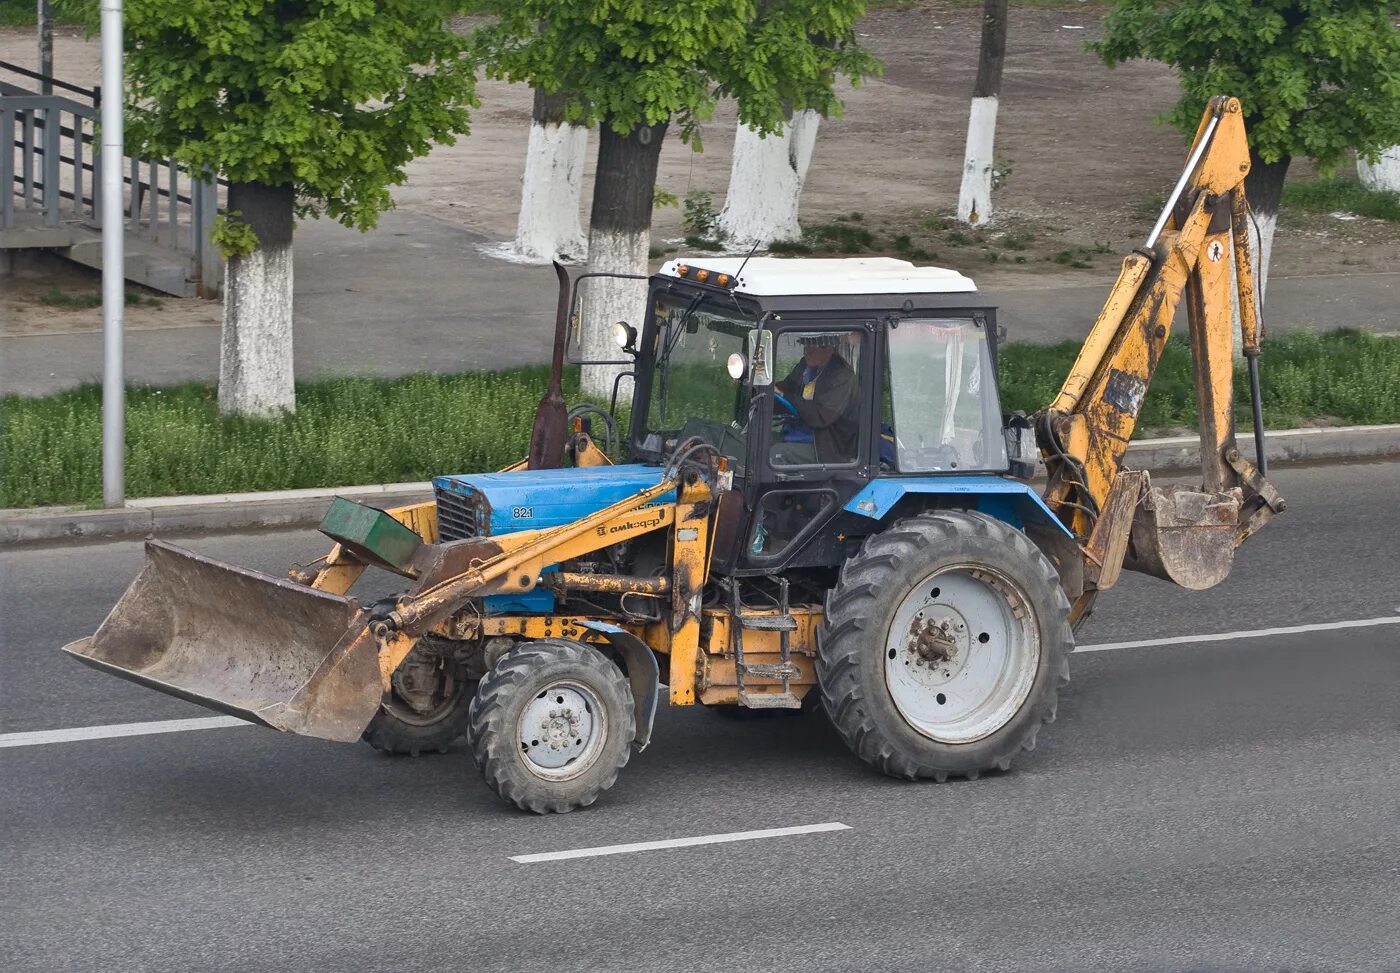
(1230, 805)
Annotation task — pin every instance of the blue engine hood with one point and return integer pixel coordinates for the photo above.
(501, 503)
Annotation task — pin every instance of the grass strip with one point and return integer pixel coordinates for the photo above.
(1342, 196)
(366, 430)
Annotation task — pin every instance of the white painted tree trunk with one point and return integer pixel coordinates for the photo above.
(766, 178)
(975, 194)
(550, 225)
(1261, 232)
(255, 352)
(1385, 174)
(604, 301)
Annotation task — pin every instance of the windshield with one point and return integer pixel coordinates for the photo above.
(692, 393)
(945, 412)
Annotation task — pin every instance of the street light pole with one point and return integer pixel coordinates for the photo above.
(113, 261)
(45, 25)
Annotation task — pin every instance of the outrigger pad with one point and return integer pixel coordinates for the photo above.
(261, 648)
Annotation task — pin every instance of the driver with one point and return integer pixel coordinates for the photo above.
(822, 388)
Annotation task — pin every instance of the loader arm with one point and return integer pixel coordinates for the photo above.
(1117, 516)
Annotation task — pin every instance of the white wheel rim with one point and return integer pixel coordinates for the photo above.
(561, 731)
(961, 654)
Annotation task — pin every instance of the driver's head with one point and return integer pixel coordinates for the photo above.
(818, 349)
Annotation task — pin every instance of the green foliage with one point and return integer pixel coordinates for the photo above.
(331, 97)
(1315, 77)
(633, 62)
(1341, 195)
(232, 236)
(700, 218)
(661, 197)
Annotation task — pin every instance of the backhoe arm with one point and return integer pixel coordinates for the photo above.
(1186, 536)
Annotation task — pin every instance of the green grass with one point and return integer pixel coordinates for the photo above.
(362, 430)
(1342, 377)
(83, 300)
(1341, 195)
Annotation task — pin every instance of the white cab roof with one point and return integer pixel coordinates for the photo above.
(802, 276)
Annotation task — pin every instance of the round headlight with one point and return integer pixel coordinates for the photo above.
(624, 334)
(736, 365)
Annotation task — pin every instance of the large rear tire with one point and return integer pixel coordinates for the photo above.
(552, 725)
(944, 645)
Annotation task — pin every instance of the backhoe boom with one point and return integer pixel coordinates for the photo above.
(1200, 249)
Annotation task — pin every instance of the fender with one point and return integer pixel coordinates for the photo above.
(642, 672)
(1007, 500)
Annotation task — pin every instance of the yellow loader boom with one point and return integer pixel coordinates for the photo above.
(1200, 248)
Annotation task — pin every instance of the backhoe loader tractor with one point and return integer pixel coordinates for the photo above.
(817, 499)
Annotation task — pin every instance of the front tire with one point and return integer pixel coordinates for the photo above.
(552, 725)
(425, 709)
(944, 645)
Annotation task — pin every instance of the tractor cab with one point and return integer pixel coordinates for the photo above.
(819, 380)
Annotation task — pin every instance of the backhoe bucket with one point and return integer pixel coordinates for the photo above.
(1185, 536)
(257, 647)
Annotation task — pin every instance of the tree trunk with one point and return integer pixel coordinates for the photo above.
(549, 224)
(1263, 188)
(975, 194)
(1385, 174)
(765, 183)
(619, 238)
(255, 353)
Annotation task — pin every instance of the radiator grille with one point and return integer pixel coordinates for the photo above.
(456, 516)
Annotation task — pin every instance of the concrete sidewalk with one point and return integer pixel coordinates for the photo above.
(416, 295)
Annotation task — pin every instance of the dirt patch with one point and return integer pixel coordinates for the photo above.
(1088, 164)
(47, 295)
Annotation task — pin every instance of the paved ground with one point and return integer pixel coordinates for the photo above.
(1227, 805)
(417, 295)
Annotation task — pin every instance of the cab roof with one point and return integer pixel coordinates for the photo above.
(811, 276)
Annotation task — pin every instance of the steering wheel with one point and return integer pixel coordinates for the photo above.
(782, 400)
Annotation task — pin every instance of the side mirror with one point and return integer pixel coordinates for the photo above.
(761, 357)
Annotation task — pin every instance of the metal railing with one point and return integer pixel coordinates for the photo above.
(53, 168)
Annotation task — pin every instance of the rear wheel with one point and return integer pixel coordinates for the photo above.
(552, 725)
(425, 708)
(944, 646)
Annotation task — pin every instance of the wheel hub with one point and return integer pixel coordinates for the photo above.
(961, 654)
(561, 731)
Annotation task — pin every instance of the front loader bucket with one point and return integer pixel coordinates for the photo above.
(1185, 536)
(257, 647)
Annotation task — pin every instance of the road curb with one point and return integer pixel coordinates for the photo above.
(301, 508)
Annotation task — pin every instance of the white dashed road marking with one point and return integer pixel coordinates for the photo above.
(35, 738)
(704, 839)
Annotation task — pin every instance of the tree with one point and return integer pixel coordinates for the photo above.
(305, 107)
(975, 193)
(548, 226)
(766, 178)
(1316, 78)
(632, 67)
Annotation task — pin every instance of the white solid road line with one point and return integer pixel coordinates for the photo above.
(704, 839)
(74, 734)
(34, 738)
(1254, 633)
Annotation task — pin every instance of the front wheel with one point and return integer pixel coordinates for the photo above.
(944, 646)
(552, 725)
(425, 708)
